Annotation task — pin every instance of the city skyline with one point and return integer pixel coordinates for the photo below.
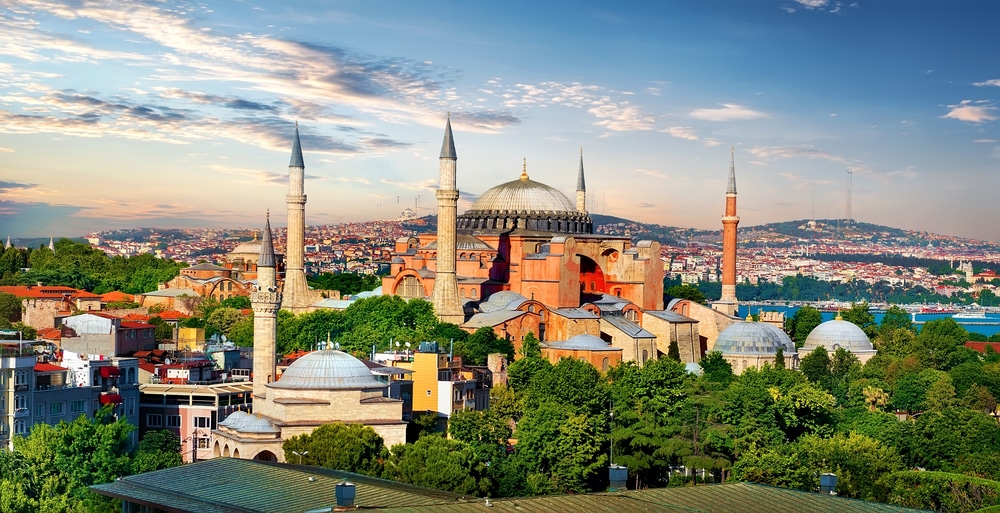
(182, 115)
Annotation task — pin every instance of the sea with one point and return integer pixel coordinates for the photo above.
(987, 326)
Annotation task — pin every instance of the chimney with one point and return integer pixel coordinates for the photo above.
(345, 494)
(828, 484)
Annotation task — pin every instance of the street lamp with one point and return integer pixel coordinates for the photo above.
(300, 455)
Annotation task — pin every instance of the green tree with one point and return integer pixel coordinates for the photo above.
(802, 323)
(779, 358)
(895, 318)
(158, 449)
(10, 308)
(438, 462)
(350, 447)
(860, 315)
(938, 341)
(674, 352)
(816, 366)
(163, 331)
(223, 319)
(687, 292)
(716, 368)
(476, 349)
(237, 302)
(531, 347)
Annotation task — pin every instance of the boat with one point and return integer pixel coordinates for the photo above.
(970, 314)
(938, 309)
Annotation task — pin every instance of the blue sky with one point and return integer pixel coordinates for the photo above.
(174, 114)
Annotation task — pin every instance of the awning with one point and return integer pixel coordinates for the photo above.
(110, 370)
(111, 398)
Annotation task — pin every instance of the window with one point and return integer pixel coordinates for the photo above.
(56, 409)
(20, 378)
(173, 421)
(428, 393)
(204, 442)
(20, 401)
(203, 422)
(154, 420)
(39, 409)
(19, 427)
(131, 406)
(78, 406)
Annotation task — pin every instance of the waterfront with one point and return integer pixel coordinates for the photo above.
(989, 325)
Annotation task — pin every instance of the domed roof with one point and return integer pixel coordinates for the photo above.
(693, 368)
(524, 194)
(327, 370)
(243, 422)
(748, 337)
(836, 334)
(584, 342)
(250, 247)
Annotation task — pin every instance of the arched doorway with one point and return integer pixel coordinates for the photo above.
(265, 456)
(591, 277)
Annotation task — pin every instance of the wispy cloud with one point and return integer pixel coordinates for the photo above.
(972, 112)
(985, 141)
(6, 150)
(653, 173)
(728, 112)
(9, 186)
(425, 185)
(611, 112)
(681, 132)
(995, 82)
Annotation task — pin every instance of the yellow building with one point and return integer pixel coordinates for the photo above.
(190, 339)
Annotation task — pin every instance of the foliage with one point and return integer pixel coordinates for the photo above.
(687, 292)
(158, 449)
(674, 352)
(940, 491)
(801, 324)
(348, 284)
(475, 349)
(10, 309)
(716, 368)
(441, 463)
(351, 447)
(860, 315)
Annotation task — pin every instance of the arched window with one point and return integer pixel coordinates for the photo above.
(605, 364)
(475, 293)
(461, 291)
(645, 355)
(410, 287)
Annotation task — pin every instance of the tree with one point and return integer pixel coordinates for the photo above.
(237, 302)
(687, 292)
(674, 352)
(895, 318)
(10, 308)
(438, 462)
(938, 340)
(158, 449)
(531, 347)
(476, 349)
(350, 447)
(716, 368)
(779, 358)
(163, 331)
(816, 366)
(802, 323)
(860, 315)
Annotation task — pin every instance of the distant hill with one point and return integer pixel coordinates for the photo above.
(770, 234)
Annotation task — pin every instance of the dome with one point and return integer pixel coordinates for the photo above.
(583, 342)
(524, 194)
(524, 204)
(748, 337)
(235, 419)
(693, 368)
(836, 334)
(327, 370)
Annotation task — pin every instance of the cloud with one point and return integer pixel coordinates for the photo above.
(813, 4)
(769, 153)
(972, 112)
(6, 150)
(728, 112)
(653, 173)
(645, 205)
(251, 176)
(985, 141)
(621, 117)
(612, 113)
(228, 102)
(995, 82)
(681, 132)
(9, 186)
(425, 185)
(485, 121)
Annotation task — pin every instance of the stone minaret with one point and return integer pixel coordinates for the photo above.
(445, 294)
(265, 300)
(729, 223)
(9, 245)
(296, 289)
(52, 245)
(581, 188)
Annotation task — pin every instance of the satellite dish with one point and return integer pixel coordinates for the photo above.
(407, 345)
(397, 343)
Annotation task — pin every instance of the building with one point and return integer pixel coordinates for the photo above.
(45, 305)
(222, 485)
(747, 344)
(728, 303)
(836, 334)
(297, 296)
(102, 334)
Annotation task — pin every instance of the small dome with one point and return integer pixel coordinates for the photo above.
(583, 342)
(524, 194)
(748, 337)
(503, 300)
(327, 370)
(235, 419)
(693, 368)
(257, 425)
(836, 334)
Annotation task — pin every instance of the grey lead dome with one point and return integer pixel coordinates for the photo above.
(327, 370)
(836, 334)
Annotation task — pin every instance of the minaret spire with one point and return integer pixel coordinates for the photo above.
(52, 245)
(728, 302)
(445, 294)
(9, 245)
(581, 187)
(298, 296)
(265, 301)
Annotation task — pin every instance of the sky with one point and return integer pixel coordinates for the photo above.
(176, 114)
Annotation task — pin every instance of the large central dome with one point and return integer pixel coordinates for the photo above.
(523, 195)
(527, 205)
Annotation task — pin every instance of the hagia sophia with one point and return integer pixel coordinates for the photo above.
(523, 259)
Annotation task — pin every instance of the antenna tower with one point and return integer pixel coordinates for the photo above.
(850, 175)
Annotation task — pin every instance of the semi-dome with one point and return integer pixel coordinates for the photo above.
(757, 338)
(327, 370)
(524, 204)
(836, 334)
(247, 248)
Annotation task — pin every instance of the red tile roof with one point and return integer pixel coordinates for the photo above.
(136, 325)
(172, 315)
(116, 296)
(981, 346)
(46, 292)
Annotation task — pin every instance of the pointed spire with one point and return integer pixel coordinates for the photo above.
(266, 246)
(731, 188)
(448, 145)
(52, 245)
(581, 184)
(297, 150)
(524, 170)
(9, 245)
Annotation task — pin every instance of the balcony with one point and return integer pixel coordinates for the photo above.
(23, 387)
(21, 413)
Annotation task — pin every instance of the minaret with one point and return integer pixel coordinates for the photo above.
(52, 245)
(445, 294)
(265, 300)
(729, 223)
(581, 188)
(296, 289)
(9, 245)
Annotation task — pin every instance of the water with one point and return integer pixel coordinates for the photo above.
(969, 324)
